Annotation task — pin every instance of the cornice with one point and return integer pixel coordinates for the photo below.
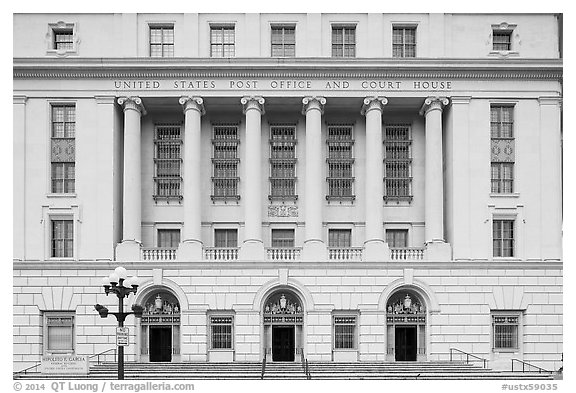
(326, 265)
(101, 68)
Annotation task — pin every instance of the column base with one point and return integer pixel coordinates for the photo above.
(252, 250)
(376, 251)
(128, 250)
(190, 251)
(314, 250)
(438, 251)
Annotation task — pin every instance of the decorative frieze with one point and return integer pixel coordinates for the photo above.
(282, 211)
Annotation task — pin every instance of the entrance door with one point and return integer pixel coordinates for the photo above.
(160, 343)
(283, 343)
(406, 344)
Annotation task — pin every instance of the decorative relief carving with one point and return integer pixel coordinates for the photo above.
(502, 150)
(282, 211)
(162, 304)
(63, 150)
(405, 305)
(283, 304)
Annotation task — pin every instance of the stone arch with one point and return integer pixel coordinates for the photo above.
(275, 285)
(421, 288)
(148, 287)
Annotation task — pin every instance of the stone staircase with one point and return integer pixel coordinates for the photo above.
(279, 371)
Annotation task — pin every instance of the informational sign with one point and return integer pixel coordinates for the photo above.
(122, 336)
(55, 364)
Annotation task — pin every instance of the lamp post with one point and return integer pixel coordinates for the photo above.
(119, 284)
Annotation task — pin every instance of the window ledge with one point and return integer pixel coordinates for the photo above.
(53, 195)
(58, 259)
(345, 350)
(506, 259)
(506, 350)
(504, 53)
(61, 53)
(498, 195)
(222, 350)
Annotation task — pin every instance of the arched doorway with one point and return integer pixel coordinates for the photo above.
(406, 326)
(160, 327)
(283, 321)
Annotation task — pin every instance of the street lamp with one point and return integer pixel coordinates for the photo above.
(119, 284)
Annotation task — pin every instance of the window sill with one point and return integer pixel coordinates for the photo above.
(502, 195)
(58, 259)
(345, 350)
(61, 53)
(506, 259)
(222, 350)
(506, 350)
(504, 53)
(62, 195)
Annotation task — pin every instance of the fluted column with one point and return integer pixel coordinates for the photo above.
(375, 247)
(433, 178)
(190, 247)
(314, 246)
(129, 249)
(253, 247)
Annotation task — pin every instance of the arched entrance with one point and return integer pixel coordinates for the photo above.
(160, 327)
(406, 326)
(283, 321)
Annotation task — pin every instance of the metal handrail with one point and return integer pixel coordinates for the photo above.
(263, 367)
(26, 369)
(468, 356)
(524, 364)
(307, 370)
(102, 353)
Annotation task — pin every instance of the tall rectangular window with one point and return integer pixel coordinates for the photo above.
(502, 149)
(397, 238)
(161, 41)
(345, 332)
(62, 239)
(63, 39)
(403, 41)
(59, 332)
(283, 41)
(221, 332)
(225, 162)
(168, 238)
(168, 162)
(340, 162)
(225, 238)
(397, 163)
(502, 40)
(222, 41)
(505, 331)
(503, 238)
(282, 162)
(343, 41)
(282, 238)
(339, 238)
(63, 146)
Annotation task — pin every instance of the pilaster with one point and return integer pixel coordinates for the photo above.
(19, 180)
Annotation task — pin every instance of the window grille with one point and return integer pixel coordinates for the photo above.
(404, 41)
(222, 41)
(283, 41)
(501, 40)
(343, 41)
(344, 332)
(503, 238)
(168, 238)
(225, 162)
(282, 162)
(224, 238)
(162, 41)
(502, 149)
(397, 163)
(505, 331)
(221, 332)
(397, 238)
(168, 163)
(282, 238)
(340, 162)
(59, 333)
(63, 146)
(62, 239)
(339, 238)
(63, 39)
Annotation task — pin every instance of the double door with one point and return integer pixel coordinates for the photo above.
(283, 339)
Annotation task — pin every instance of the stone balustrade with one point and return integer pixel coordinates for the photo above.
(345, 253)
(283, 254)
(406, 254)
(158, 254)
(221, 253)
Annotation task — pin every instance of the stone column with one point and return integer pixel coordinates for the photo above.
(375, 247)
(314, 246)
(190, 247)
(19, 180)
(129, 249)
(253, 247)
(436, 247)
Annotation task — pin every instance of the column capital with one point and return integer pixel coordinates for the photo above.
(195, 103)
(434, 103)
(310, 102)
(252, 102)
(371, 103)
(134, 103)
